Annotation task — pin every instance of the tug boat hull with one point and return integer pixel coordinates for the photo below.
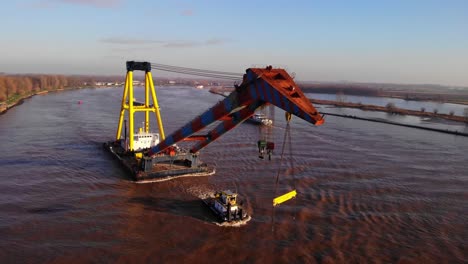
(158, 171)
(225, 207)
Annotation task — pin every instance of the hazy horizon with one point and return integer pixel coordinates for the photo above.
(417, 42)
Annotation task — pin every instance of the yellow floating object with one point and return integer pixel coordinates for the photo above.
(285, 197)
(138, 155)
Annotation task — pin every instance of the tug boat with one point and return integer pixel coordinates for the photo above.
(224, 205)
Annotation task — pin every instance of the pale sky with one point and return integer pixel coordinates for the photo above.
(366, 41)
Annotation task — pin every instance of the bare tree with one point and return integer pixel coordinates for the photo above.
(22, 85)
(11, 87)
(63, 81)
(43, 82)
(3, 96)
(3, 89)
(28, 85)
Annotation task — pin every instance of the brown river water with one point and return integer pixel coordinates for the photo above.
(367, 192)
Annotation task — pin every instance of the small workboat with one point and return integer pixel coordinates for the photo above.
(225, 206)
(260, 119)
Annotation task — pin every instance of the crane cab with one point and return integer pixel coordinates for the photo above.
(142, 140)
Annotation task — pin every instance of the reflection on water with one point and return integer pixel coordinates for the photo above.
(367, 192)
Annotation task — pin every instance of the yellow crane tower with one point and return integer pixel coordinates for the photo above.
(128, 102)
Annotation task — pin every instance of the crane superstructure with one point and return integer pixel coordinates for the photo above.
(260, 86)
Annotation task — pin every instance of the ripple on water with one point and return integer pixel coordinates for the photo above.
(366, 192)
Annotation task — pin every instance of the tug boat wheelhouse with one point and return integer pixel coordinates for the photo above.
(224, 205)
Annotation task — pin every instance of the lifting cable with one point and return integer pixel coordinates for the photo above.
(286, 132)
(198, 72)
(292, 194)
(159, 65)
(266, 134)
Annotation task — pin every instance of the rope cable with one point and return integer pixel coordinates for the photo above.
(292, 171)
(159, 65)
(200, 74)
(291, 158)
(203, 75)
(286, 132)
(197, 72)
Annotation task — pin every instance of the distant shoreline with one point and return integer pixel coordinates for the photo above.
(392, 110)
(5, 107)
(411, 94)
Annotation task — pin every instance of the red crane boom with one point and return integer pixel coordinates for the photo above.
(260, 86)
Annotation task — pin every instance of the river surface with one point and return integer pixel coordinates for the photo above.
(367, 192)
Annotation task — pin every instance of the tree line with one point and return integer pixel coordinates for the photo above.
(21, 85)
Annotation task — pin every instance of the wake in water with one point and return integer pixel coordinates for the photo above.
(238, 223)
(168, 178)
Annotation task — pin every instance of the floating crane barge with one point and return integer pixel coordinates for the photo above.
(161, 167)
(154, 157)
(132, 150)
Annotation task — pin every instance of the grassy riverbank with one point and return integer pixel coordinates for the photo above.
(12, 102)
(19, 99)
(14, 88)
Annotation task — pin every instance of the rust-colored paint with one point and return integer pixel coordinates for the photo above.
(195, 138)
(260, 87)
(284, 84)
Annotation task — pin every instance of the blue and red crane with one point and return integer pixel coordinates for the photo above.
(165, 160)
